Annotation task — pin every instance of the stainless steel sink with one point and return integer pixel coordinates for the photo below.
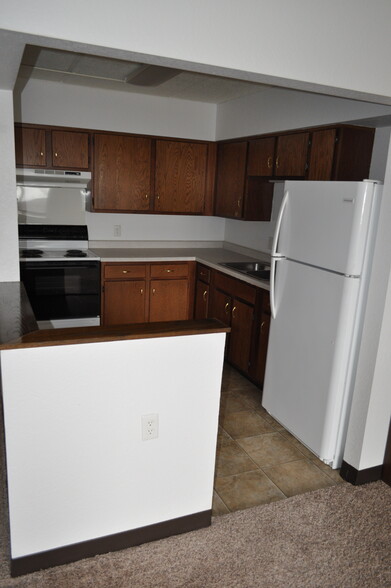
(256, 269)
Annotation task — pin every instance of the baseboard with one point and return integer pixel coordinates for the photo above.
(71, 553)
(358, 477)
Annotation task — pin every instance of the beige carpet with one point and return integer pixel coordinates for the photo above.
(337, 537)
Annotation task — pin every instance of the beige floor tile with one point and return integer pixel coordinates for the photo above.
(247, 490)
(232, 403)
(333, 474)
(218, 506)
(302, 448)
(231, 459)
(297, 477)
(270, 449)
(245, 423)
(265, 415)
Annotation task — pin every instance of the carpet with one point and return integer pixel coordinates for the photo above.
(335, 537)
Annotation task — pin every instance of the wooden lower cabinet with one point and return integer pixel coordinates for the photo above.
(168, 300)
(241, 334)
(246, 309)
(260, 339)
(124, 302)
(146, 292)
(232, 302)
(201, 301)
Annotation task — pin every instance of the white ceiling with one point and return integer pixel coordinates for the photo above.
(93, 71)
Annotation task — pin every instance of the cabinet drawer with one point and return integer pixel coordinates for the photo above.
(203, 273)
(124, 270)
(169, 270)
(235, 287)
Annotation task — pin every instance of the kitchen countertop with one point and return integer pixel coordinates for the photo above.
(211, 256)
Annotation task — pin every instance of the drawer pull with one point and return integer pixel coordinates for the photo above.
(226, 307)
(269, 162)
(262, 325)
(124, 271)
(278, 162)
(205, 295)
(56, 155)
(233, 312)
(141, 291)
(168, 270)
(153, 291)
(41, 153)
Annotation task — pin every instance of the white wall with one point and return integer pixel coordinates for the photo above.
(371, 405)
(380, 154)
(272, 110)
(9, 250)
(342, 46)
(53, 103)
(155, 228)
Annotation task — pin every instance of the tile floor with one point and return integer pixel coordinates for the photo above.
(257, 460)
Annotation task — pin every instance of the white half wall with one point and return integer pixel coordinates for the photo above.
(53, 103)
(273, 109)
(77, 465)
(9, 248)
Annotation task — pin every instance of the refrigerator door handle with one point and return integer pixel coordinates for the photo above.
(276, 237)
(273, 306)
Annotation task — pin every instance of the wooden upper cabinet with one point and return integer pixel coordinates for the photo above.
(230, 180)
(70, 150)
(322, 154)
(30, 147)
(180, 177)
(122, 173)
(291, 155)
(260, 160)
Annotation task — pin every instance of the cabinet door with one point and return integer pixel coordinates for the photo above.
(220, 306)
(241, 332)
(261, 157)
(201, 300)
(168, 300)
(230, 182)
(30, 147)
(322, 154)
(70, 150)
(180, 177)
(263, 340)
(291, 157)
(122, 173)
(124, 302)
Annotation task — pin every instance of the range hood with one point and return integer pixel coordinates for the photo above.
(53, 178)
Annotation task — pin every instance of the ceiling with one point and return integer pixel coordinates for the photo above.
(93, 71)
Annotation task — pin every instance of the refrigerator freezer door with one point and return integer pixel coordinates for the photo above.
(310, 354)
(325, 224)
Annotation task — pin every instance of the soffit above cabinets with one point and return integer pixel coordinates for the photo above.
(102, 72)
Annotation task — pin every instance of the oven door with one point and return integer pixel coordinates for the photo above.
(62, 289)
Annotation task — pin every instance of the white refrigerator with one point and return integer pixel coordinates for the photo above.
(320, 269)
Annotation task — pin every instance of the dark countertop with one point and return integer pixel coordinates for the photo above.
(16, 315)
(79, 335)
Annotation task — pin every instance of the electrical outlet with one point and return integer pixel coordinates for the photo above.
(149, 426)
(117, 230)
